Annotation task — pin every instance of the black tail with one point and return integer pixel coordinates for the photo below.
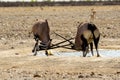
(92, 28)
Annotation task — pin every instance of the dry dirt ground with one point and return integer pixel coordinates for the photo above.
(17, 62)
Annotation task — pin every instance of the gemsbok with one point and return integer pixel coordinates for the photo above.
(41, 32)
(87, 33)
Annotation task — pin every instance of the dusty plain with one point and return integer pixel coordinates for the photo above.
(18, 63)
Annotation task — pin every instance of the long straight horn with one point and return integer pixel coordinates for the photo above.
(61, 42)
(65, 38)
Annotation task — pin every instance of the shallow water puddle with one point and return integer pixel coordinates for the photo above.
(102, 52)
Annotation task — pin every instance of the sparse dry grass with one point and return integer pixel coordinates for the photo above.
(17, 63)
(16, 22)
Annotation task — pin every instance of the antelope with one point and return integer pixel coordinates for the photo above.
(87, 33)
(41, 32)
(92, 15)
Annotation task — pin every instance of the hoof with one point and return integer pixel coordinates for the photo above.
(33, 51)
(98, 56)
(34, 54)
(73, 47)
(84, 55)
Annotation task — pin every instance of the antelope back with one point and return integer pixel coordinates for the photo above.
(42, 30)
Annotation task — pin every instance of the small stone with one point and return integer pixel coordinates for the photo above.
(2, 38)
(12, 47)
(100, 74)
(108, 27)
(37, 75)
(14, 67)
(87, 76)
(118, 72)
(92, 73)
(57, 73)
(21, 43)
(80, 76)
(16, 53)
